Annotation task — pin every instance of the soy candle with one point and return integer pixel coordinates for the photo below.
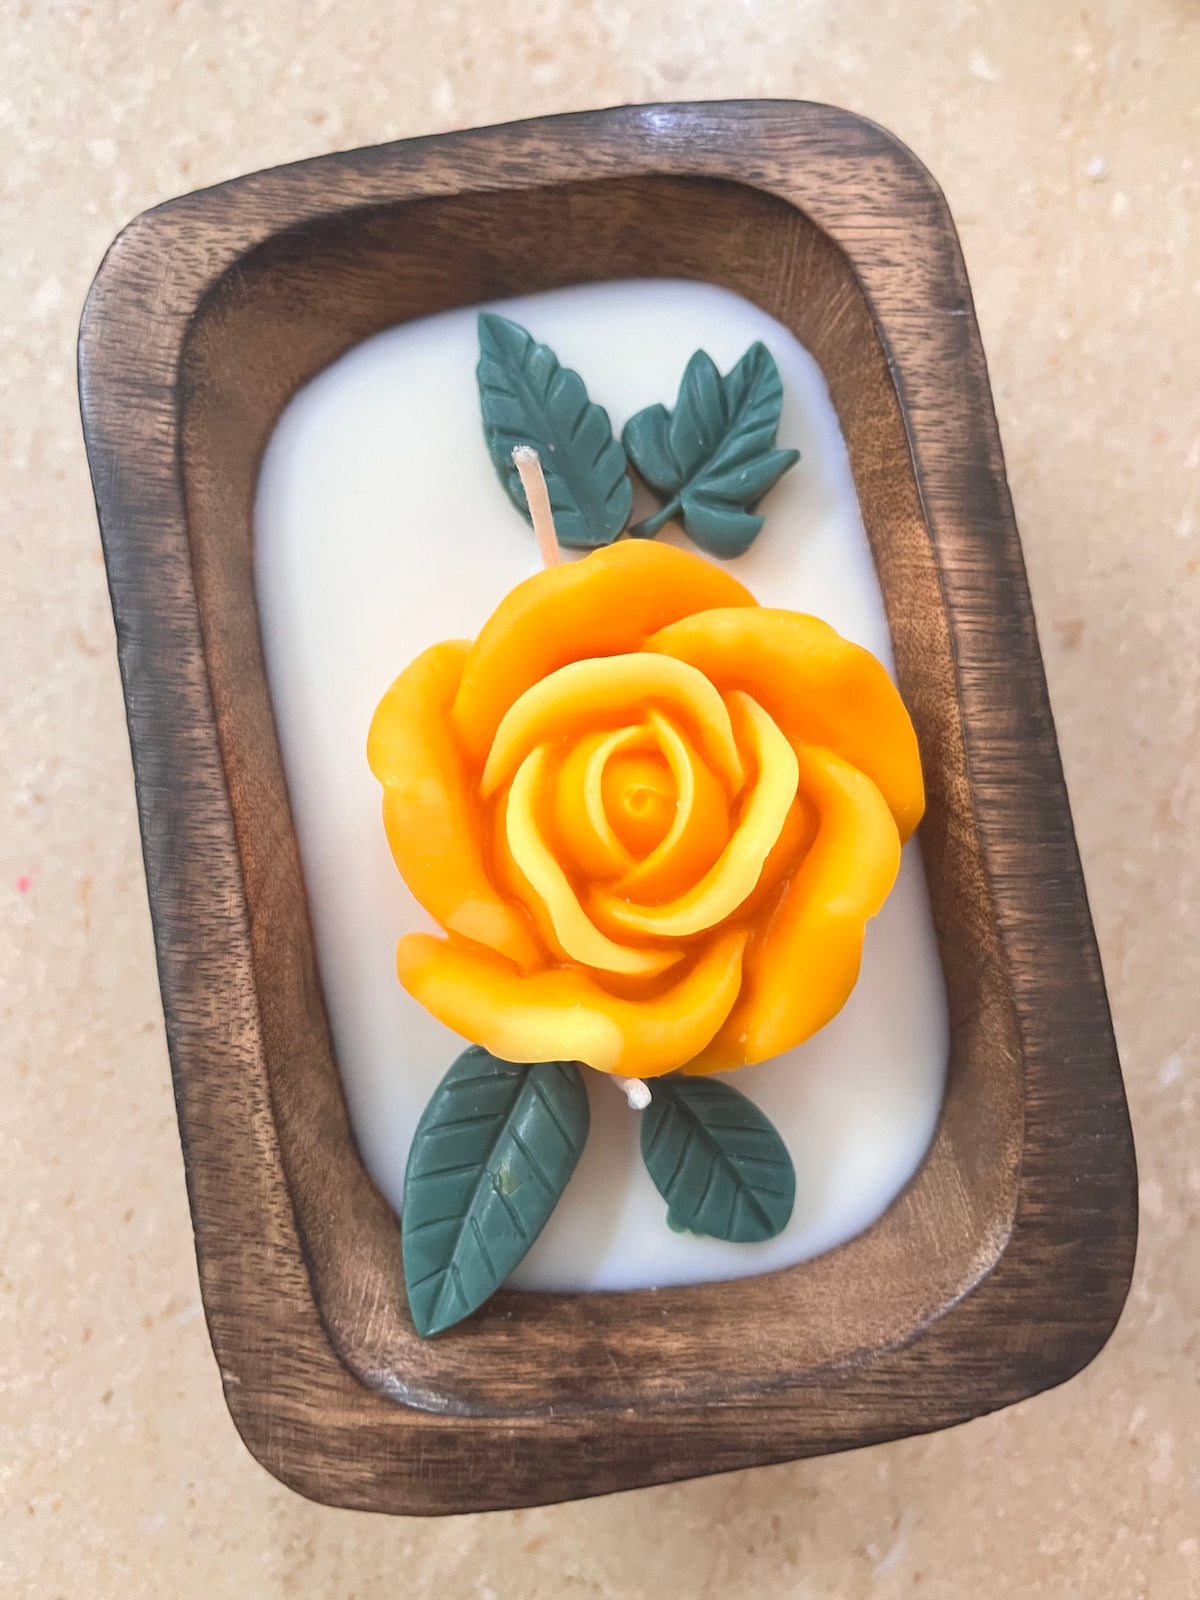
(380, 529)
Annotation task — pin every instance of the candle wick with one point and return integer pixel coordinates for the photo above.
(533, 480)
(637, 1093)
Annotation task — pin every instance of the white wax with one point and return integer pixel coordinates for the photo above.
(380, 528)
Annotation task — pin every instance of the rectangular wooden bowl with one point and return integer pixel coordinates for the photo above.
(1003, 1266)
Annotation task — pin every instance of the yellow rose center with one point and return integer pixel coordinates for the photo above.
(640, 799)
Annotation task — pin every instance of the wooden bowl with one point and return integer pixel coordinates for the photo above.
(1002, 1267)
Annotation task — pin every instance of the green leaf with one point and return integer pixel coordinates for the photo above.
(714, 457)
(716, 1160)
(527, 397)
(648, 446)
(492, 1153)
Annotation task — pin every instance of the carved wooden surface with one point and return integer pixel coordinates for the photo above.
(1003, 1266)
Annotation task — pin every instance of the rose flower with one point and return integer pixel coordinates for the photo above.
(652, 817)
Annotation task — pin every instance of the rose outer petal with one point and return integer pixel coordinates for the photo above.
(817, 686)
(434, 824)
(563, 1013)
(604, 605)
(803, 961)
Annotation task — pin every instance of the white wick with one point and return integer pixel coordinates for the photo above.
(533, 480)
(635, 1091)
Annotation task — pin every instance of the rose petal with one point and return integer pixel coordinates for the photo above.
(573, 928)
(432, 821)
(818, 687)
(563, 1013)
(579, 813)
(604, 605)
(699, 832)
(736, 871)
(512, 881)
(640, 799)
(795, 837)
(803, 962)
(605, 690)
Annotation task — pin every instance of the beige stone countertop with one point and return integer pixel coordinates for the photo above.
(1067, 138)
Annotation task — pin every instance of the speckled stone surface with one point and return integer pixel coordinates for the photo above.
(1067, 138)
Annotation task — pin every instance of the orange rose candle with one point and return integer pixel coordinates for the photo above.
(652, 816)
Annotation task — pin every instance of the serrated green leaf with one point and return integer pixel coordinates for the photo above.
(713, 458)
(492, 1153)
(528, 397)
(699, 421)
(648, 446)
(717, 1161)
(717, 527)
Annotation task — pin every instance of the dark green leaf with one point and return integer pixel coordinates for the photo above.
(492, 1153)
(716, 1160)
(527, 397)
(648, 447)
(714, 457)
(700, 419)
(717, 527)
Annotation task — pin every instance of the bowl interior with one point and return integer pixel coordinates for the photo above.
(284, 311)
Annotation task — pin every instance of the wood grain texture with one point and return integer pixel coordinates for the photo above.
(1003, 1266)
